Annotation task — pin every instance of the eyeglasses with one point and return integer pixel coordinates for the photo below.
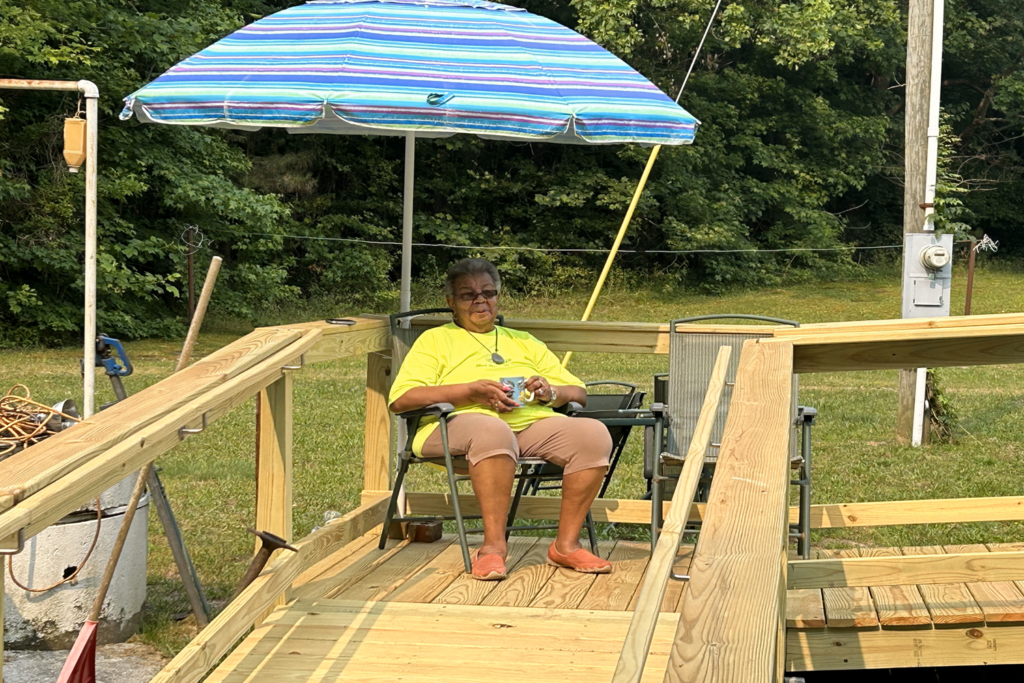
(470, 297)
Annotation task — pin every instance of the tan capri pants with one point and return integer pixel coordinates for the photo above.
(574, 444)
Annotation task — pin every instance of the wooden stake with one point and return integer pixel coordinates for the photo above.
(197, 319)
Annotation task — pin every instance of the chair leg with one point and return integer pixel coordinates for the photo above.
(454, 489)
(591, 532)
(403, 467)
(523, 480)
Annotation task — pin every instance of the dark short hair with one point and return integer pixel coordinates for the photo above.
(467, 267)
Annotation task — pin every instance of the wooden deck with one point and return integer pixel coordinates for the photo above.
(339, 609)
(410, 613)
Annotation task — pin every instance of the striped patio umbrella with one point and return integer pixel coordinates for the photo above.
(427, 68)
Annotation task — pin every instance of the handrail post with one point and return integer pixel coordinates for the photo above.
(377, 437)
(274, 463)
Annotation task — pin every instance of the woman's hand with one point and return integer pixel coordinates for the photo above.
(539, 387)
(491, 394)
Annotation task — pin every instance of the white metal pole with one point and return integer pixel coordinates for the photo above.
(91, 94)
(407, 192)
(934, 92)
(931, 177)
(91, 146)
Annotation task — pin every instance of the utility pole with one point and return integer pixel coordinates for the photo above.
(921, 124)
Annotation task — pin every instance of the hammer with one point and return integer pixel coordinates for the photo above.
(270, 544)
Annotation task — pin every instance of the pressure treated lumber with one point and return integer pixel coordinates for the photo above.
(567, 588)
(989, 345)
(847, 607)
(828, 516)
(948, 603)
(896, 324)
(391, 574)
(377, 430)
(466, 590)
(841, 649)
(596, 337)
(936, 511)
(213, 642)
(434, 577)
(274, 462)
(1000, 601)
(676, 589)
(733, 611)
(315, 582)
(805, 608)
(1005, 547)
(368, 335)
(981, 566)
(652, 593)
(39, 466)
(520, 588)
(319, 641)
(354, 572)
(114, 464)
(897, 605)
(615, 591)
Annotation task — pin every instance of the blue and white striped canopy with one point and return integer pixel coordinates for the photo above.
(432, 67)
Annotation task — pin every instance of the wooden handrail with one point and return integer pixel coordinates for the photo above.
(633, 656)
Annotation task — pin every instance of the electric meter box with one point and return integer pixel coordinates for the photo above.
(927, 273)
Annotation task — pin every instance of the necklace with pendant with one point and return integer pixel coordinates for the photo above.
(496, 357)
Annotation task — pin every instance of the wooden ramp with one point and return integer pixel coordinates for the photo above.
(331, 640)
(410, 613)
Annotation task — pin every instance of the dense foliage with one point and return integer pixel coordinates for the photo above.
(800, 146)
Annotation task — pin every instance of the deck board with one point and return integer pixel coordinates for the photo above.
(948, 603)
(615, 591)
(519, 589)
(465, 590)
(338, 640)
(1000, 601)
(435, 576)
(393, 572)
(567, 588)
(897, 605)
(554, 619)
(848, 607)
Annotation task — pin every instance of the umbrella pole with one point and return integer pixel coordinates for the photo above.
(407, 192)
(618, 241)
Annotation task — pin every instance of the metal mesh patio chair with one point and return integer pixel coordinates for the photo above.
(606, 408)
(692, 356)
(403, 337)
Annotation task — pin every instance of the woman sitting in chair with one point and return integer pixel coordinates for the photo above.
(461, 363)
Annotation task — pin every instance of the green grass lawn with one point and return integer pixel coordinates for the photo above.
(210, 477)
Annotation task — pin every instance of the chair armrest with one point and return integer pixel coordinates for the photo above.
(433, 410)
(658, 409)
(569, 408)
(412, 419)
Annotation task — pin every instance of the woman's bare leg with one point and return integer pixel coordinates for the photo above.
(492, 483)
(579, 490)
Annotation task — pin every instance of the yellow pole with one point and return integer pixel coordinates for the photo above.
(618, 241)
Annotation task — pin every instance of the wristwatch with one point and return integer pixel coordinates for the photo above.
(552, 398)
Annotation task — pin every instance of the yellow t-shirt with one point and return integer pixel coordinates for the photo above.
(449, 354)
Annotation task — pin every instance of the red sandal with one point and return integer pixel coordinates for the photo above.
(489, 567)
(579, 560)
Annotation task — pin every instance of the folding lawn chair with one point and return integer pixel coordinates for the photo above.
(403, 338)
(691, 359)
(606, 408)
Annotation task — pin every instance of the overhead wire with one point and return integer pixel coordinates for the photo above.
(567, 250)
